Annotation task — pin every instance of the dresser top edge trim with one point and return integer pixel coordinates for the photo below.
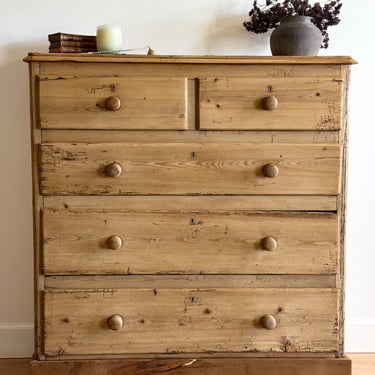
(187, 59)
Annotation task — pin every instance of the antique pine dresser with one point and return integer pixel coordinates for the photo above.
(189, 214)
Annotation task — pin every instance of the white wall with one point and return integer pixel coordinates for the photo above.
(170, 27)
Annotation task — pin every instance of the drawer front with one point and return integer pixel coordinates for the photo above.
(244, 103)
(97, 242)
(113, 103)
(189, 168)
(169, 321)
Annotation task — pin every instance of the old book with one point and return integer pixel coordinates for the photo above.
(71, 37)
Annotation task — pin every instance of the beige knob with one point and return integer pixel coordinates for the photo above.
(115, 322)
(114, 242)
(112, 103)
(269, 243)
(270, 170)
(113, 170)
(270, 103)
(268, 322)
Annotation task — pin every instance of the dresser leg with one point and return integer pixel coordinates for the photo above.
(191, 366)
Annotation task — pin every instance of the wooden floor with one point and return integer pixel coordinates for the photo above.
(363, 364)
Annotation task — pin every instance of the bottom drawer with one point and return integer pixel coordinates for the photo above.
(144, 321)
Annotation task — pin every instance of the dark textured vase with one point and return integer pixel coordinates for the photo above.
(296, 36)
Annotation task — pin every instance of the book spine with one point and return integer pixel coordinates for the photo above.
(63, 49)
(73, 43)
(71, 37)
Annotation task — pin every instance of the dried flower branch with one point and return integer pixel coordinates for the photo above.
(269, 16)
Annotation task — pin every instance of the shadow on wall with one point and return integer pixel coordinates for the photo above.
(14, 107)
(227, 36)
(16, 266)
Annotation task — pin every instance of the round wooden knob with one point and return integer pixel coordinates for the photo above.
(268, 322)
(114, 242)
(270, 170)
(115, 322)
(269, 243)
(113, 170)
(112, 103)
(270, 103)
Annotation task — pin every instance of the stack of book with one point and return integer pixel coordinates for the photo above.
(71, 43)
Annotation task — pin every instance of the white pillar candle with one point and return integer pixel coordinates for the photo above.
(108, 38)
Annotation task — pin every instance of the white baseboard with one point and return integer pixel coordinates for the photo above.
(16, 340)
(360, 336)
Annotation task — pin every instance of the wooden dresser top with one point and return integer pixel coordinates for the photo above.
(252, 60)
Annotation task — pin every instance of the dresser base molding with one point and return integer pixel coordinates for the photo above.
(191, 366)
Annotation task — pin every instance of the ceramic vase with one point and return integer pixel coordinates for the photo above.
(296, 36)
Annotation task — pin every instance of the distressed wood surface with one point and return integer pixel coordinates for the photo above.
(72, 179)
(35, 133)
(196, 203)
(102, 282)
(186, 320)
(79, 103)
(188, 242)
(236, 103)
(292, 60)
(193, 366)
(194, 168)
(165, 136)
(192, 71)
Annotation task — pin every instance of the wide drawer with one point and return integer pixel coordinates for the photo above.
(171, 321)
(189, 168)
(110, 242)
(113, 103)
(274, 103)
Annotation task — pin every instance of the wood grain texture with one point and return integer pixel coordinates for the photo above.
(188, 242)
(292, 60)
(196, 203)
(168, 176)
(165, 136)
(35, 132)
(194, 168)
(190, 321)
(192, 71)
(193, 366)
(98, 282)
(80, 103)
(362, 364)
(236, 103)
(15, 366)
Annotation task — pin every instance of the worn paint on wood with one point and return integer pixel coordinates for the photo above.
(236, 103)
(193, 168)
(189, 321)
(188, 242)
(80, 103)
(172, 172)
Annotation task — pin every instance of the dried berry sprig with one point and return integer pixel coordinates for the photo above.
(269, 16)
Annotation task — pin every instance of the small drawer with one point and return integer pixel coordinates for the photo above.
(113, 103)
(189, 168)
(171, 321)
(97, 242)
(275, 103)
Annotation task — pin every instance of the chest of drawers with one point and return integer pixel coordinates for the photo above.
(189, 214)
